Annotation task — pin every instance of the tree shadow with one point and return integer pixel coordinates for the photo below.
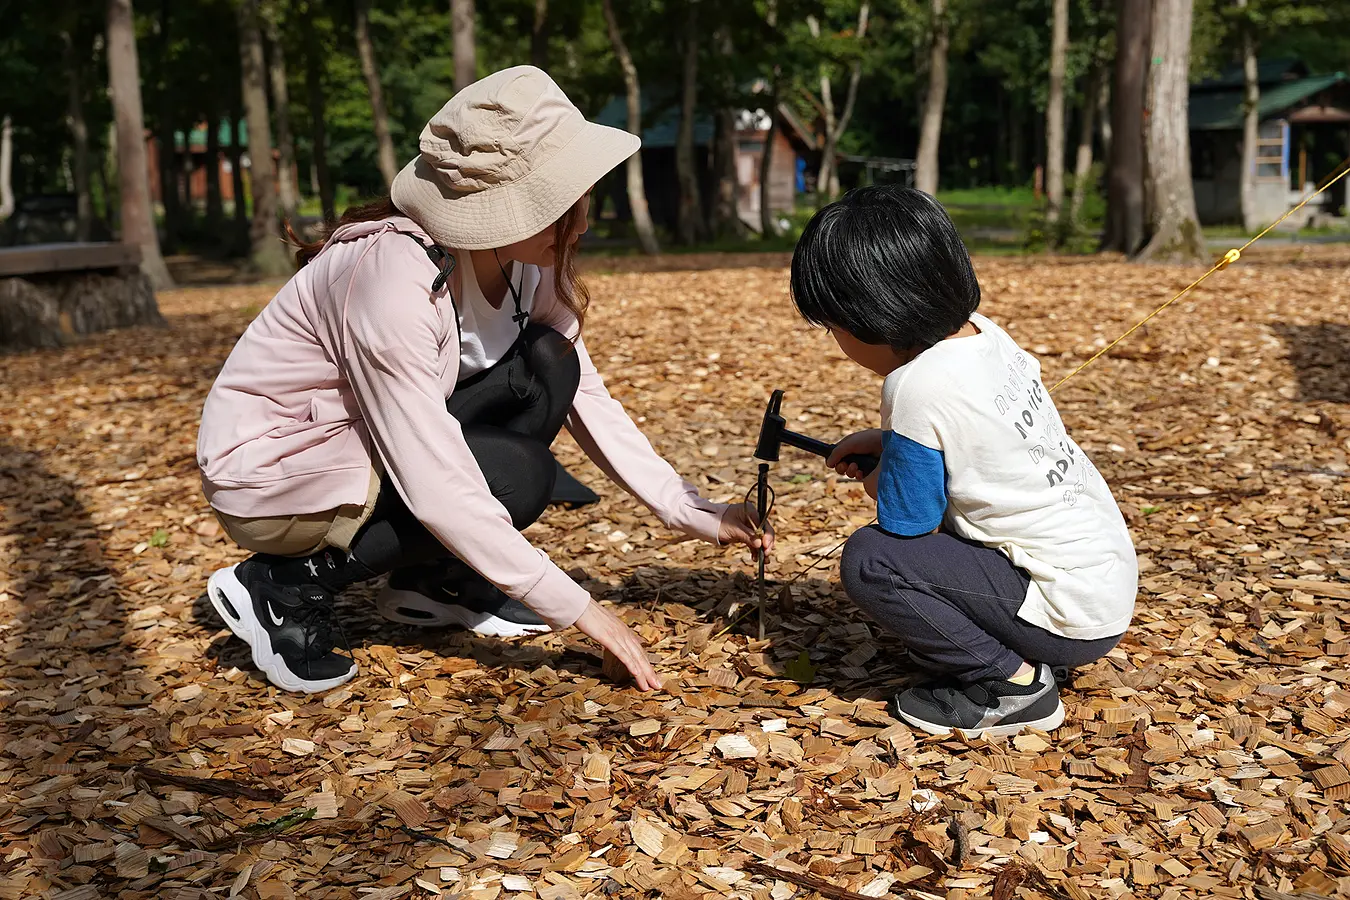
(672, 605)
(1320, 355)
(75, 684)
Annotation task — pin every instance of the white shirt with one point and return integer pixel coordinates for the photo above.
(1010, 477)
(488, 332)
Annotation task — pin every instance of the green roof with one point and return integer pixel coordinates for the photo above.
(658, 131)
(197, 136)
(1268, 71)
(1222, 110)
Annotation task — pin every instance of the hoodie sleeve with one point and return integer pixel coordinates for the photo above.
(390, 347)
(602, 428)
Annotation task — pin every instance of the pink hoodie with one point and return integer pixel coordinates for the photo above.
(355, 355)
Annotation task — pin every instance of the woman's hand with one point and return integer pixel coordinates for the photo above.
(739, 524)
(867, 443)
(609, 631)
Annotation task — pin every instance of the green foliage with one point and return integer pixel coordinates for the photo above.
(1071, 235)
(160, 538)
(282, 823)
(800, 669)
(993, 123)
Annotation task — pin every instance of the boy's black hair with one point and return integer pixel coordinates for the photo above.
(885, 264)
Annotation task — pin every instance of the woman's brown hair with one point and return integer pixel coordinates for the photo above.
(570, 290)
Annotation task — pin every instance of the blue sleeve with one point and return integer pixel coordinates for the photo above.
(911, 488)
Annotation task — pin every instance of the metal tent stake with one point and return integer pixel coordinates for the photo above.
(762, 507)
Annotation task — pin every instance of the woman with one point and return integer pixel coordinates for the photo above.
(391, 409)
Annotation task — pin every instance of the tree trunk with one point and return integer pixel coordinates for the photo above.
(1251, 123)
(317, 129)
(637, 192)
(825, 172)
(539, 36)
(215, 213)
(378, 111)
(267, 254)
(726, 219)
(850, 98)
(827, 178)
(281, 100)
(168, 177)
(1175, 228)
(1054, 120)
(6, 168)
(1104, 109)
(1082, 169)
(49, 311)
(926, 164)
(465, 48)
(1125, 178)
(124, 83)
(79, 135)
(768, 225)
(691, 206)
(167, 157)
(237, 150)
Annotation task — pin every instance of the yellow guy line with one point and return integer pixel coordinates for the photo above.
(1230, 257)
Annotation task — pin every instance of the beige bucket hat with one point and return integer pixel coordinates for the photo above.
(503, 160)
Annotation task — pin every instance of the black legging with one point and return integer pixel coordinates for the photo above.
(509, 414)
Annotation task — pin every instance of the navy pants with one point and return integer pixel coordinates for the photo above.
(954, 604)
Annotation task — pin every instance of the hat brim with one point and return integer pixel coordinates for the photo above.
(514, 210)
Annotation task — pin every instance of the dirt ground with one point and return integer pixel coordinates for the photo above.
(1208, 755)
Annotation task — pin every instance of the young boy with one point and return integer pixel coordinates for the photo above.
(999, 555)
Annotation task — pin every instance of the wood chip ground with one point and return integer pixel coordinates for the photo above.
(1207, 756)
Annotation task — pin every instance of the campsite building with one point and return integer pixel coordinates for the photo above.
(1304, 136)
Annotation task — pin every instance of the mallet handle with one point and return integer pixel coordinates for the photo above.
(865, 462)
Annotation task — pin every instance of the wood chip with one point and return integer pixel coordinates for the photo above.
(1208, 754)
(736, 746)
(297, 746)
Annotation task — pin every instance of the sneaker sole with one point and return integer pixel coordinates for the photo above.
(1047, 723)
(392, 602)
(225, 585)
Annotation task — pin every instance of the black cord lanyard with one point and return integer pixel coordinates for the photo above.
(446, 263)
(521, 318)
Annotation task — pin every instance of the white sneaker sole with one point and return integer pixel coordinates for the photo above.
(1047, 723)
(223, 585)
(393, 604)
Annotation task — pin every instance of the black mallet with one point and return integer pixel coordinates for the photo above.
(772, 435)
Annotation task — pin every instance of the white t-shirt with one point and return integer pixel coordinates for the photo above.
(487, 332)
(974, 442)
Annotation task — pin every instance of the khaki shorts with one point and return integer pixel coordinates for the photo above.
(306, 534)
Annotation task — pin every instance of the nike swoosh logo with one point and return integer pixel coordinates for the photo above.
(276, 619)
(449, 593)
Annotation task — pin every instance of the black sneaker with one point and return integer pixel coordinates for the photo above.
(994, 708)
(460, 597)
(290, 627)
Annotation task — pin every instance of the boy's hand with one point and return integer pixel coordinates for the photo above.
(739, 524)
(867, 443)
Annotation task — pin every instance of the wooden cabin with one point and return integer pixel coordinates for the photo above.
(1304, 135)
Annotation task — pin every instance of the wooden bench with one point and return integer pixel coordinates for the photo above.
(49, 293)
(46, 259)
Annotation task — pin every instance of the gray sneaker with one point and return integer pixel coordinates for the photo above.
(993, 708)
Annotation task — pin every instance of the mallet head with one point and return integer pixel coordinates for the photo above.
(771, 432)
